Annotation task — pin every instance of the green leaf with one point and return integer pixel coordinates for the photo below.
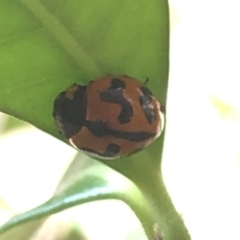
(47, 45)
(87, 180)
(93, 181)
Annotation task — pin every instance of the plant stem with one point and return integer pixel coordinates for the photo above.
(167, 222)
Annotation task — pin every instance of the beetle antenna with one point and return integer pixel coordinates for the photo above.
(146, 81)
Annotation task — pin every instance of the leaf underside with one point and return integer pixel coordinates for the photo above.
(45, 46)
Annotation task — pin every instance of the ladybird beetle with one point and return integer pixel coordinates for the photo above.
(110, 117)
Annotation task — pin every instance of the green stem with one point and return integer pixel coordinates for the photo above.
(167, 222)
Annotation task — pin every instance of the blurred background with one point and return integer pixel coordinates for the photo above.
(201, 160)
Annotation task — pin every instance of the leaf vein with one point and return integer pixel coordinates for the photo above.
(60, 32)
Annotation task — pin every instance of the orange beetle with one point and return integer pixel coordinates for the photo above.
(111, 117)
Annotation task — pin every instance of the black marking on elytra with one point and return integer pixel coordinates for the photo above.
(97, 128)
(70, 114)
(112, 150)
(133, 136)
(100, 129)
(147, 106)
(117, 83)
(114, 94)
